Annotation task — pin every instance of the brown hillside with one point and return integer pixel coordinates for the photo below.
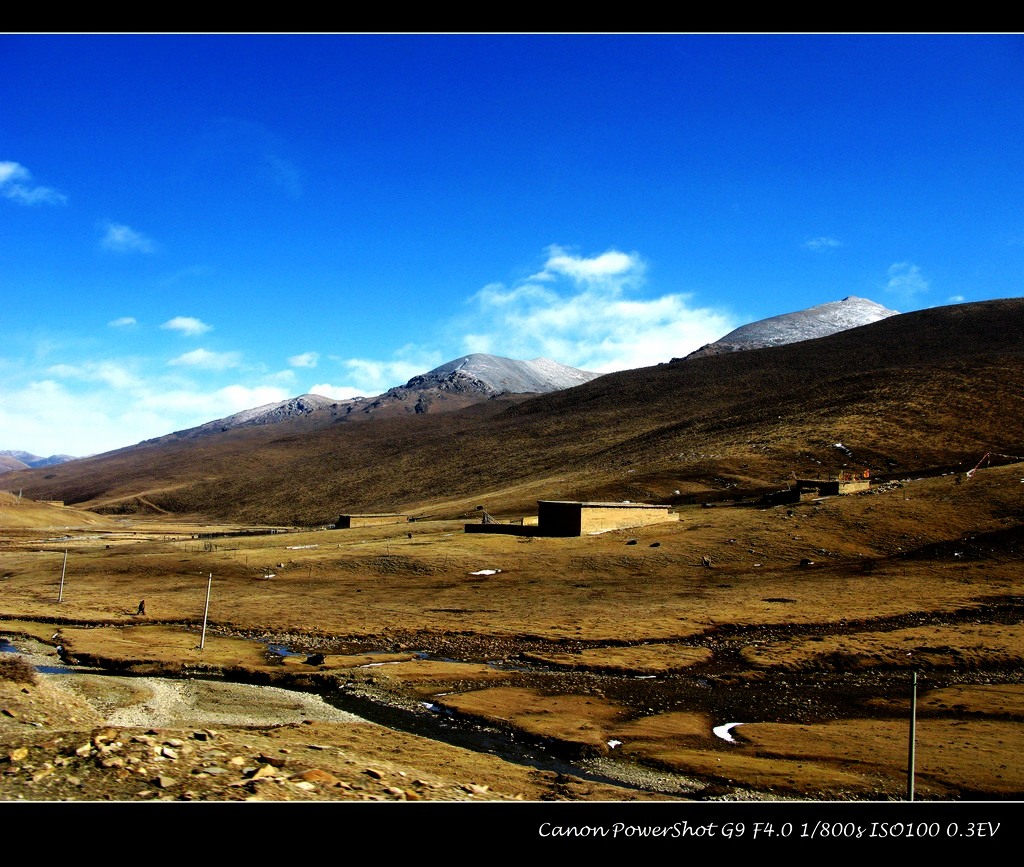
(937, 388)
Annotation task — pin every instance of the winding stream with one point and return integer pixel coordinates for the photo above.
(165, 702)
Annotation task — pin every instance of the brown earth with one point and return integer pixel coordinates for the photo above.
(937, 388)
(608, 660)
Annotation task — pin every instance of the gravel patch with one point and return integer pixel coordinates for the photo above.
(154, 702)
(158, 702)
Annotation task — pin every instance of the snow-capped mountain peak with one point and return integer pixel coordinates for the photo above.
(464, 380)
(818, 321)
(493, 374)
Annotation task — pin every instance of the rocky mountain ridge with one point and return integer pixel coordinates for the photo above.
(708, 428)
(15, 459)
(474, 377)
(453, 385)
(479, 376)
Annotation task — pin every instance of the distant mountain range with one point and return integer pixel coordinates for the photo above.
(819, 321)
(12, 459)
(471, 378)
(478, 376)
(475, 377)
(454, 385)
(490, 375)
(930, 391)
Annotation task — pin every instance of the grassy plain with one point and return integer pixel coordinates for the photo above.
(621, 647)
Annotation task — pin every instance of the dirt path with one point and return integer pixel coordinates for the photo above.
(153, 702)
(160, 702)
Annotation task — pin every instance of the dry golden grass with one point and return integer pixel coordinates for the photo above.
(609, 641)
(952, 755)
(583, 722)
(622, 636)
(935, 388)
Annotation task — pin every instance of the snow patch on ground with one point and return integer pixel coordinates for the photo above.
(724, 732)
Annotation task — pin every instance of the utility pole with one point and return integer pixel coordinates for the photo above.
(206, 610)
(63, 569)
(910, 754)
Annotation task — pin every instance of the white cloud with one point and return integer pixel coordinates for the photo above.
(906, 280)
(610, 266)
(208, 360)
(364, 377)
(16, 185)
(109, 373)
(187, 325)
(169, 409)
(88, 406)
(371, 376)
(582, 316)
(11, 172)
(306, 359)
(36, 418)
(956, 299)
(593, 313)
(822, 243)
(122, 322)
(119, 238)
(234, 398)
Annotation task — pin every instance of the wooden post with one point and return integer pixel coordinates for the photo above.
(910, 752)
(206, 610)
(63, 569)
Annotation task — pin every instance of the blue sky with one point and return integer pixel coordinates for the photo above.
(191, 225)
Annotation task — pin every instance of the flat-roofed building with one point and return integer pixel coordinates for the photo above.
(571, 518)
(575, 518)
(347, 522)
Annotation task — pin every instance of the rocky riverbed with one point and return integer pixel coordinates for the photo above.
(74, 734)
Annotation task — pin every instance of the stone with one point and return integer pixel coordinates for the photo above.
(105, 734)
(263, 772)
